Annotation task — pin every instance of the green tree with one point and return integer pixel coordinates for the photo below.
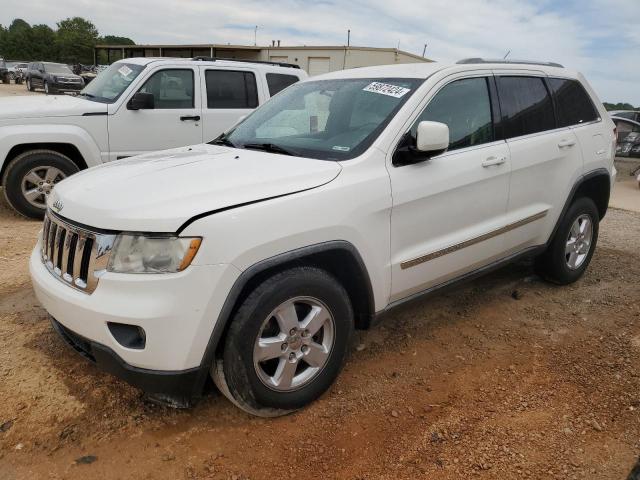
(75, 40)
(115, 40)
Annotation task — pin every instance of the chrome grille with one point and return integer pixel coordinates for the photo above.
(77, 256)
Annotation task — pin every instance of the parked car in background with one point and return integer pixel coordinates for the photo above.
(628, 114)
(135, 106)
(53, 78)
(4, 72)
(253, 258)
(628, 137)
(17, 69)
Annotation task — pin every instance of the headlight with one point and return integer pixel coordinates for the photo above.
(147, 254)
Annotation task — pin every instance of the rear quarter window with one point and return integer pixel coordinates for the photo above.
(573, 104)
(526, 105)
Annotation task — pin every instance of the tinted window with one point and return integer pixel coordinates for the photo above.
(278, 82)
(526, 105)
(464, 105)
(228, 89)
(171, 88)
(573, 104)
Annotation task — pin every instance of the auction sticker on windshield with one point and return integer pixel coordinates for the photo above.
(124, 71)
(386, 89)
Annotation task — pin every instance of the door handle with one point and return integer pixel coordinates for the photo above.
(493, 161)
(195, 118)
(566, 143)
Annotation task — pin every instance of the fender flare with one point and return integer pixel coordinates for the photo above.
(14, 135)
(579, 182)
(241, 282)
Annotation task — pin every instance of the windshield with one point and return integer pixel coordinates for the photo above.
(324, 119)
(57, 68)
(112, 82)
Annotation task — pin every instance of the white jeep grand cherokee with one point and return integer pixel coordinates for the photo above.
(253, 258)
(137, 105)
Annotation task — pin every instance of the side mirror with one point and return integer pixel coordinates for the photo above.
(432, 137)
(142, 101)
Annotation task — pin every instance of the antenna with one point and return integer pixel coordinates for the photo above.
(255, 36)
(507, 54)
(348, 37)
(424, 50)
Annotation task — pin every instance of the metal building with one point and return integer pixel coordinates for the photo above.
(314, 59)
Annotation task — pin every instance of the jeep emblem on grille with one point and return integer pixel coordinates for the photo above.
(58, 205)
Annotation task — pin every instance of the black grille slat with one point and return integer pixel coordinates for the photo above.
(72, 253)
(86, 259)
(52, 240)
(63, 234)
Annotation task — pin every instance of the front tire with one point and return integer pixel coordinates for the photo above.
(31, 176)
(572, 247)
(287, 342)
(30, 85)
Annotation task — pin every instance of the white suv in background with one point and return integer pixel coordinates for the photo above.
(253, 258)
(137, 105)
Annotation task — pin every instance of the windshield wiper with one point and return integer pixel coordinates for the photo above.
(223, 140)
(88, 95)
(270, 147)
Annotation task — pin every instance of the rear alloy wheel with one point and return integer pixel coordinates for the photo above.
(573, 244)
(30, 177)
(286, 343)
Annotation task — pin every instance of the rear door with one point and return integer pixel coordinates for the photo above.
(229, 95)
(175, 121)
(545, 159)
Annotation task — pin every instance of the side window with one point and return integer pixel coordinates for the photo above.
(526, 106)
(171, 89)
(231, 89)
(465, 106)
(279, 81)
(573, 104)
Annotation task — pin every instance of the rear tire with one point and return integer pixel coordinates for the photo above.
(573, 244)
(21, 180)
(305, 316)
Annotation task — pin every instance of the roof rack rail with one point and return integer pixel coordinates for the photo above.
(522, 62)
(214, 59)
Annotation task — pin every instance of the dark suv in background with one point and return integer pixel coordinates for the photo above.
(53, 78)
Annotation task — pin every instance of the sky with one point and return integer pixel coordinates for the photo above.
(600, 38)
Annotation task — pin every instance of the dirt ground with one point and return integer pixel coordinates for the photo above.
(12, 90)
(504, 377)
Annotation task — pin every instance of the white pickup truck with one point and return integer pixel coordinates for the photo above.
(137, 105)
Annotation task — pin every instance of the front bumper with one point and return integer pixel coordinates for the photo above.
(177, 312)
(67, 87)
(175, 388)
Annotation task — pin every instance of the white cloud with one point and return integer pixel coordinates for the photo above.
(577, 35)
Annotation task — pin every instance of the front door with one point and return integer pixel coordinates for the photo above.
(174, 121)
(448, 213)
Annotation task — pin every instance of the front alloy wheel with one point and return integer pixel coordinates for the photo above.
(30, 177)
(294, 344)
(39, 182)
(286, 342)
